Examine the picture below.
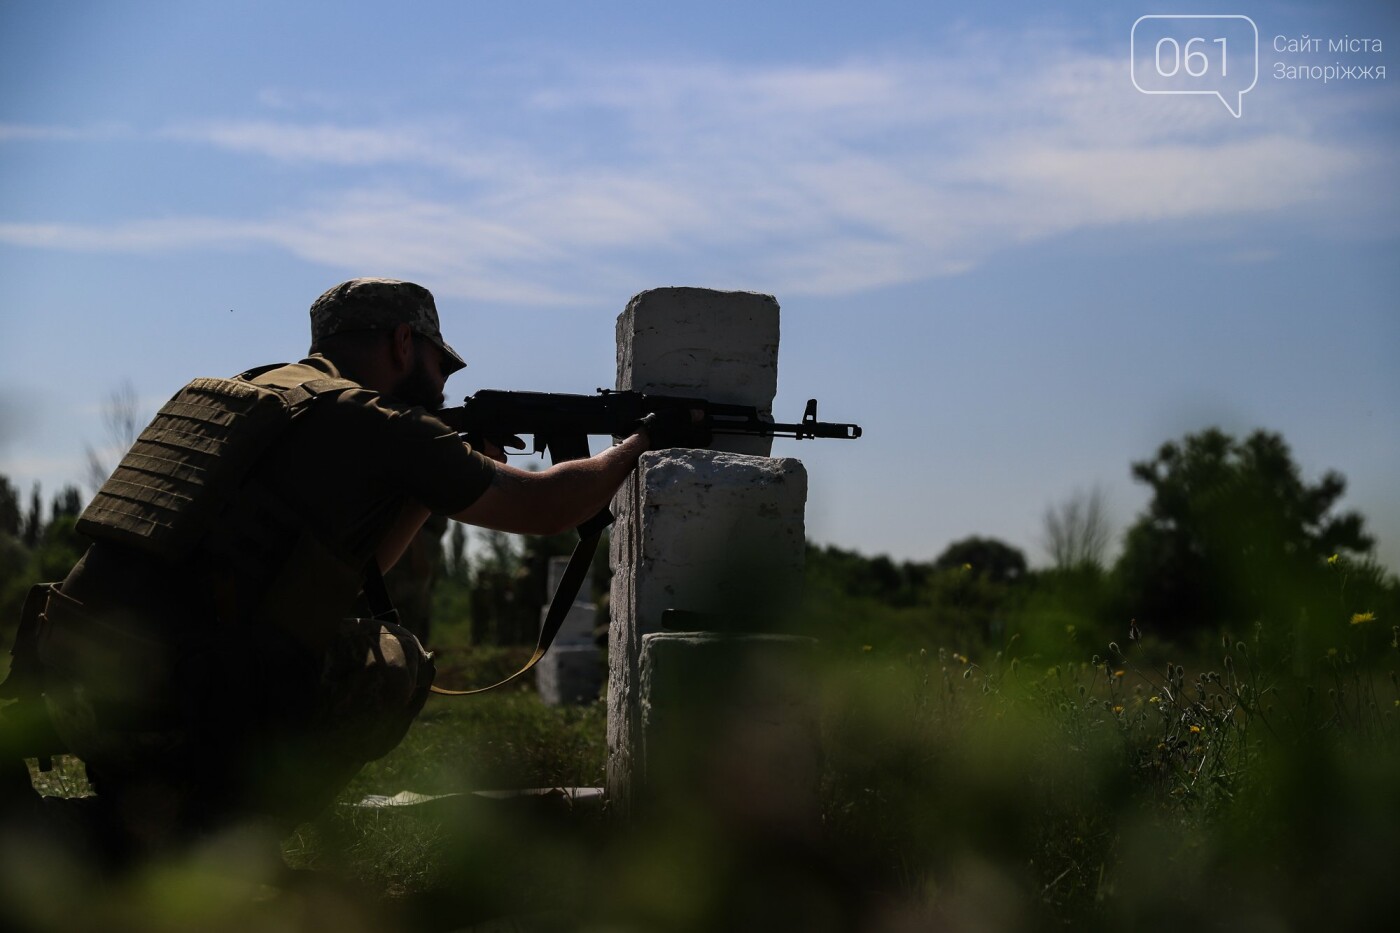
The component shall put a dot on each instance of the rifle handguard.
(675, 427)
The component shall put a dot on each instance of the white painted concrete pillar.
(716, 534)
(701, 343)
(572, 671)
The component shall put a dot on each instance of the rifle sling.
(376, 593)
(569, 584)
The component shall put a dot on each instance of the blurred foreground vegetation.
(1204, 734)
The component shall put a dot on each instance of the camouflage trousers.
(182, 738)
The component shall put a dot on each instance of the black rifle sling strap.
(569, 584)
(376, 594)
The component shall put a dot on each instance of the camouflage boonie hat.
(380, 304)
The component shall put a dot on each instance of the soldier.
(224, 649)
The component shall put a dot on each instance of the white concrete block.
(570, 675)
(723, 535)
(703, 343)
(581, 620)
(579, 625)
(554, 572)
(733, 720)
(714, 533)
(708, 532)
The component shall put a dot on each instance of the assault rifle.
(561, 424)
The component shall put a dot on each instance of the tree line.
(1233, 536)
(36, 544)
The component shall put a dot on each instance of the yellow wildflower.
(1195, 730)
(1361, 617)
(1155, 700)
(1333, 559)
(1117, 710)
(1117, 674)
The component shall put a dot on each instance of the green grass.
(1110, 792)
(989, 790)
(1251, 786)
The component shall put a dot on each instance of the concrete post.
(702, 343)
(572, 671)
(716, 536)
(730, 720)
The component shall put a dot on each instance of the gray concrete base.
(732, 719)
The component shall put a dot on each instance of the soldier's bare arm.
(557, 499)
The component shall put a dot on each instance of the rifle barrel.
(805, 431)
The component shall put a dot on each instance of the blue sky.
(1017, 272)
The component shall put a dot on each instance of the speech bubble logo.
(1179, 54)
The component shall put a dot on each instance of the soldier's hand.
(494, 448)
(676, 427)
(492, 451)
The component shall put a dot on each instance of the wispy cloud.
(329, 144)
(815, 179)
(32, 132)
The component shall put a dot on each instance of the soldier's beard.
(418, 388)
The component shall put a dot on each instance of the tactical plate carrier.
(186, 490)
